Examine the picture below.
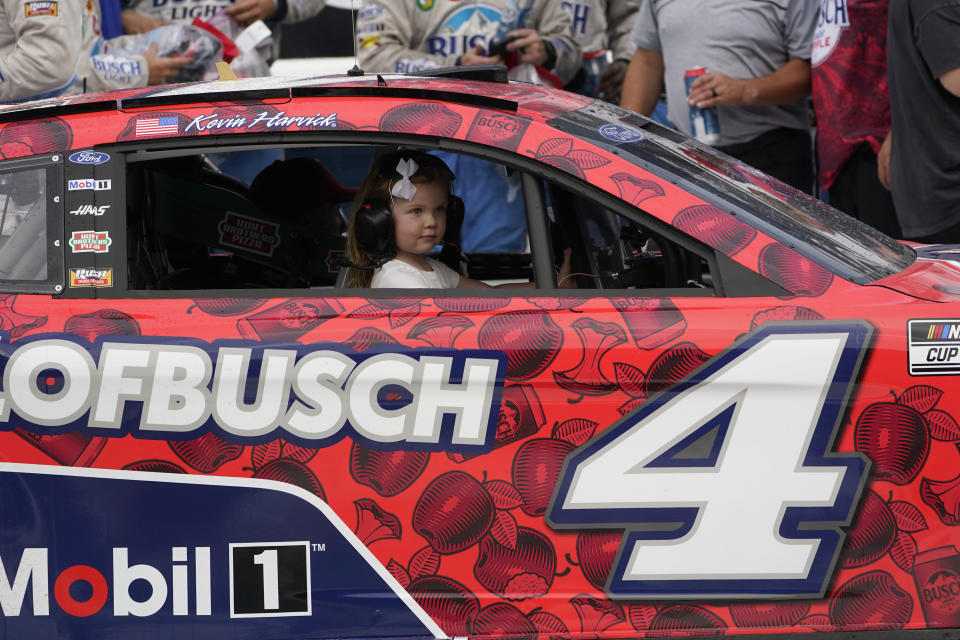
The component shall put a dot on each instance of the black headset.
(373, 229)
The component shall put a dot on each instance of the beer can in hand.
(704, 124)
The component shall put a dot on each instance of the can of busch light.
(289, 320)
(594, 64)
(937, 574)
(704, 123)
(69, 449)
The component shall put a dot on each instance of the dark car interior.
(190, 226)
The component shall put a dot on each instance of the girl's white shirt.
(400, 275)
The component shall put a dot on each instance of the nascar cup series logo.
(934, 347)
(173, 388)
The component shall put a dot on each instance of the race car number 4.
(726, 484)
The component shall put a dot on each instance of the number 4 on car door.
(726, 484)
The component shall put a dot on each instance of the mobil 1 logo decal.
(170, 556)
(270, 579)
(934, 347)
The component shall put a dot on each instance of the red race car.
(740, 420)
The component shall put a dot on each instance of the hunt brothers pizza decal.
(248, 234)
(90, 241)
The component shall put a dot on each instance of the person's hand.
(475, 57)
(134, 22)
(246, 12)
(564, 278)
(529, 46)
(883, 162)
(611, 81)
(162, 69)
(718, 89)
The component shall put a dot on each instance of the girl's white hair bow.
(404, 188)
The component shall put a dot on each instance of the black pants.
(857, 192)
(785, 154)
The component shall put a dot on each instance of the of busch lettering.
(170, 390)
(33, 573)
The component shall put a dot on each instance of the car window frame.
(730, 278)
(54, 283)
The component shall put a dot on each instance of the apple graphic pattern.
(464, 533)
(911, 503)
(896, 435)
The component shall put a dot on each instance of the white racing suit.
(39, 48)
(603, 24)
(184, 11)
(412, 35)
(102, 71)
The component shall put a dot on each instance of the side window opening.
(192, 226)
(31, 225)
(611, 251)
(23, 225)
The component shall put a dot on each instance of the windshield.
(844, 245)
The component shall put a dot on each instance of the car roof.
(473, 85)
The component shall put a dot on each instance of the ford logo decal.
(89, 157)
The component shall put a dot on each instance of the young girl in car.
(400, 216)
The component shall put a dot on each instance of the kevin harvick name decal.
(263, 120)
(176, 387)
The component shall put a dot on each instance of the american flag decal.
(162, 126)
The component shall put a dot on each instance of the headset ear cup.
(374, 230)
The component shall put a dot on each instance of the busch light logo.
(182, 556)
(89, 157)
(464, 30)
(178, 388)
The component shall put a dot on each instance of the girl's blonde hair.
(376, 188)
